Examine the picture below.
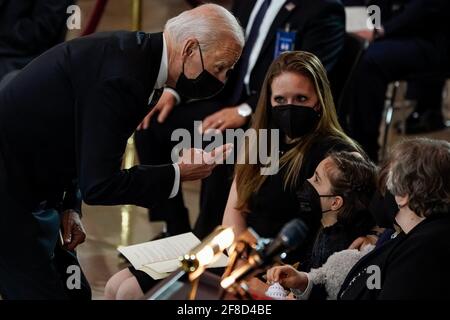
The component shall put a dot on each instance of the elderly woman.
(416, 263)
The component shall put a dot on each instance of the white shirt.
(160, 83)
(163, 74)
(269, 17)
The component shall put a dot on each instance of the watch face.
(244, 111)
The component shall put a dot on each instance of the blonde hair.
(248, 179)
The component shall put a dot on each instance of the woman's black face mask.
(384, 209)
(205, 86)
(295, 121)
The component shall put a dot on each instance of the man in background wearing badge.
(271, 27)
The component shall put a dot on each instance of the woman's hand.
(227, 118)
(361, 242)
(288, 277)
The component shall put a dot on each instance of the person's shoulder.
(110, 39)
(428, 240)
(433, 230)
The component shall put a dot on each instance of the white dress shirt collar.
(164, 68)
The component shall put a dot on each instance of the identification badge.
(285, 41)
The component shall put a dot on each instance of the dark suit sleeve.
(324, 34)
(416, 15)
(42, 29)
(106, 119)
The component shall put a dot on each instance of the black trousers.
(42, 279)
(32, 266)
(385, 61)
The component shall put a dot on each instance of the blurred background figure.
(412, 43)
(27, 29)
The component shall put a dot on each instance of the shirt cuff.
(176, 183)
(175, 94)
(303, 295)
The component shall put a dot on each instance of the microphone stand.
(194, 288)
(240, 290)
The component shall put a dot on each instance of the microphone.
(290, 237)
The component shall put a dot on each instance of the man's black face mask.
(205, 86)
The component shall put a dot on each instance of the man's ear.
(337, 204)
(189, 47)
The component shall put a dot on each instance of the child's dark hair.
(355, 181)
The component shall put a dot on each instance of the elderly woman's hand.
(361, 242)
(288, 277)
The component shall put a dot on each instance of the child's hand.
(288, 277)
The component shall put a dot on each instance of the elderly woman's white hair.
(208, 23)
(419, 168)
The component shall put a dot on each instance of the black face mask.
(205, 86)
(384, 209)
(295, 121)
(309, 201)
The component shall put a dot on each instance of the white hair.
(209, 29)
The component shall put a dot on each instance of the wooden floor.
(109, 227)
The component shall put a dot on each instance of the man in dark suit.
(68, 115)
(318, 27)
(27, 29)
(413, 40)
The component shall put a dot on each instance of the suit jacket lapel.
(280, 19)
(244, 12)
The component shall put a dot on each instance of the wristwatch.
(244, 110)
